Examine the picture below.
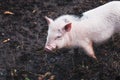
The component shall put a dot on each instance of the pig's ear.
(49, 20)
(67, 27)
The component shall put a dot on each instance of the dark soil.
(23, 32)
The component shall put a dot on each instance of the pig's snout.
(50, 47)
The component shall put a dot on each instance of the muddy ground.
(23, 32)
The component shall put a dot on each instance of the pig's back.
(103, 21)
(111, 7)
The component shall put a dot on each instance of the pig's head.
(57, 33)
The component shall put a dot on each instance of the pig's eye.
(58, 37)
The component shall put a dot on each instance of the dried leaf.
(41, 77)
(8, 12)
(52, 77)
(27, 78)
(33, 11)
(47, 74)
(6, 40)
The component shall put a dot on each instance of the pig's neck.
(71, 39)
(77, 34)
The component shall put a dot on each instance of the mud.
(23, 32)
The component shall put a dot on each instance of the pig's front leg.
(87, 46)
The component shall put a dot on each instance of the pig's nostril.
(48, 48)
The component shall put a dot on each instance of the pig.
(95, 26)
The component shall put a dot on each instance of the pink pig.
(96, 25)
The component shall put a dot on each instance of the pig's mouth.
(50, 48)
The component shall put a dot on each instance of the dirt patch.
(23, 32)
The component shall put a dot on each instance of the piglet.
(95, 26)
